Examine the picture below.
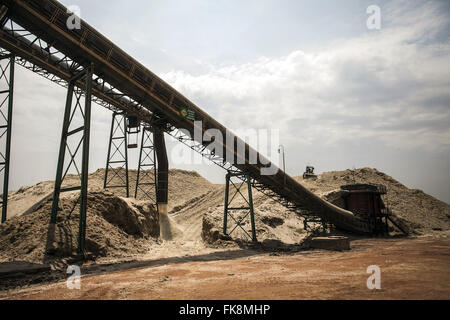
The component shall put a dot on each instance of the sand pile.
(272, 220)
(119, 227)
(420, 212)
(184, 186)
(285, 227)
(115, 227)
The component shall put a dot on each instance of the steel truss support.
(146, 179)
(81, 134)
(6, 102)
(117, 159)
(310, 219)
(241, 213)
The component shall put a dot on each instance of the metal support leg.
(146, 179)
(239, 213)
(162, 194)
(117, 159)
(252, 213)
(84, 79)
(225, 211)
(6, 99)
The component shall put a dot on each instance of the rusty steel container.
(365, 201)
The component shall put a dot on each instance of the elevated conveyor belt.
(36, 32)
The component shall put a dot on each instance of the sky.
(341, 95)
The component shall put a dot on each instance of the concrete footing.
(329, 243)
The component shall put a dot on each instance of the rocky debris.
(273, 244)
(210, 233)
(133, 217)
(272, 221)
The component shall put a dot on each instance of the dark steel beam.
(7, 74)
(83, 142)
(162, 193)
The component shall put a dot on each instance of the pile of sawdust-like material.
(422, 212)
(116, 227)
(119, 227)
(183, 186)
(272, 222)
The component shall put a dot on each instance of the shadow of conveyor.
(246, 249)
(63, 246)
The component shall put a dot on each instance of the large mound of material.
(422, 213)
(272, 221)
(120, 227)
(183, 186)
(115, 227)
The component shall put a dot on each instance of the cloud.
(390, 85)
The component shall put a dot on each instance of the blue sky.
(341, 95)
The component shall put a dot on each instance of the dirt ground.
(415, 268)
(129, 259)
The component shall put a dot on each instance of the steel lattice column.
(146, 179)
(82, 79)
(117, 140)
(6, 101)
(242, 212)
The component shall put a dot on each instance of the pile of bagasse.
(121, 227)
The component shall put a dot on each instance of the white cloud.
(392, 85)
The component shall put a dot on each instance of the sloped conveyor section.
(36, 32)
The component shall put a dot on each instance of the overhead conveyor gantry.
(36, 32)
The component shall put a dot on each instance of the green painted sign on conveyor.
(188, 114)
